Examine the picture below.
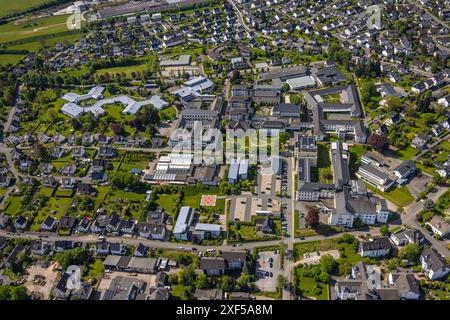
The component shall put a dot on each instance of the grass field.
(33, 34)
(192, 197)
(15, 30)
(307, 287)
(178, 292)
(407, 153)
(94, 271)
(127, 70)
(167, 202)
(400, 196)
(10, 59)
(12, 205)
(56, 207)
(167, 113)
(131, 196)
(8, 7)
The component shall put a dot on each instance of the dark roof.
(235, 256)
(380, 243)
(433, 259)
(212, 263)
(405, 167)
(161, 279)
(141, 249)
(62, 283)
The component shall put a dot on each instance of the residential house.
(49, 224)
(434, 264)
(439, 226)
(212, 266)
(375, 247)
(20, 223)
(420, 141)
(235, 259)
(407, 236)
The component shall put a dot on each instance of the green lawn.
(64, 193)
(130, 196)
(308, 287)
(94, 271)
(10, 59)
(407, 153)
(167, 113)
(136, 161)
(8, 7)
(400, 196)
(127, 70)
(178, 292)
(56, 207)
(192, 196)
(12, 205)
(101, 194)
(319, 173)
(167, 202)
(39, 27)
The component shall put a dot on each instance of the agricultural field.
(10, 59)
(35, 33)
(8, 7)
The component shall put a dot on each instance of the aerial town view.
(225, 150)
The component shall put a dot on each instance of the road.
(12, 112)
(51, 237)
(242, 21)
(409, 219)
(288, 264)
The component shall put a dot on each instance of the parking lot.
(267, 270)
(418, 184)
(284, 179)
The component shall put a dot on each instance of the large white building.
(74, 110)
(184, 221)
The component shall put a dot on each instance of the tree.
(41, 151)
(312, 218)
(327, 263)
(202, 281)
(184, 259)
(13, 293)
(117, 128)
(344, 268)
(378, 142)
(410, 252)
(428, 205)
(226, 283)
(122, 180)
(186, 277)
(393, 103)
(384, 230)
(244, 282)
(71, 257)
